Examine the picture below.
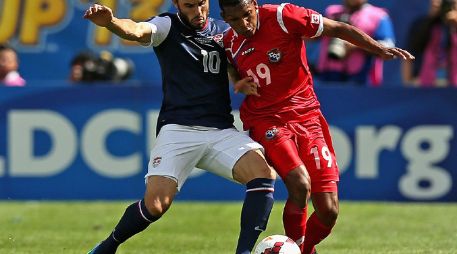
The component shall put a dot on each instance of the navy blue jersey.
(194, 76)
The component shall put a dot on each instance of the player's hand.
(246, 86)
(392, 53)
(99, 15)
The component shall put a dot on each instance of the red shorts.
(307, 143)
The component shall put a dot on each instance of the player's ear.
(254, 2)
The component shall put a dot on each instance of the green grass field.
(196, 228)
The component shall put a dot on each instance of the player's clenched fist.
(99, 14)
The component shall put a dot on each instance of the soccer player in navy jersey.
(195, 125)
(282, 111)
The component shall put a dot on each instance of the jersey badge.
(274, 55)
(156, 161)
(218, 39)
(315, 19)
(271, 133)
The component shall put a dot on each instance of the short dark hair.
(231, 3)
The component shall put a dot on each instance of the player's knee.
(329, 215)
(252, 165)
(157, 207)
(299, 187)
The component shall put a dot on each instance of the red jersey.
(275, 56)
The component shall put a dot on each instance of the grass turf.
(197, 228)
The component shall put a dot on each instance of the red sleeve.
(301, 21)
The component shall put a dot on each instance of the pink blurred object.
(13, 79)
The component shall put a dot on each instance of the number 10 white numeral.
(325, 154)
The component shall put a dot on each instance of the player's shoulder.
(282, 9)
(269, 8)
(229, 35)
(220, 25)
(162, 16)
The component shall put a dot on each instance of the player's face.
(242, 18)
(194, 12)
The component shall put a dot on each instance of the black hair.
(231, 3)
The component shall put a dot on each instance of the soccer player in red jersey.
(281, 110)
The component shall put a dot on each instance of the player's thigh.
(280, 147)
(176, 152)
(227, 148)
(252, 165)
(316, 151)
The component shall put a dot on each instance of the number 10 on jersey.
(211, 61)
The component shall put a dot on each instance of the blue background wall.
(93, 143)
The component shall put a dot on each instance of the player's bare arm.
(245, 85)
(125, 28)
(357, 37)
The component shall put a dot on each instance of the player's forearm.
(129, 30)
(233, 75)
(359, 38)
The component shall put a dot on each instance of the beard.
(197, 23)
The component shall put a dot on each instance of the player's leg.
(298, 185)
(158, 197)
(281, 151)
(322, 220)
(169, 167)
(253, 170)
(237, 157)
(318, 154)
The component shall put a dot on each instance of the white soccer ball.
(277, 244)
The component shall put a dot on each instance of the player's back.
(194, 76)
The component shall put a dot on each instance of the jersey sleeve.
(160, 27)
(298, 20)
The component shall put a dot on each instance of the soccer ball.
(277, 244)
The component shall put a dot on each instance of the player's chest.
(267, 51)
(199, 45)
(268, 47)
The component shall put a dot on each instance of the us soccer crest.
(271, 133)
(156, 162)
(274, 55)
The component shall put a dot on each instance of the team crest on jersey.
(274, 55)
(315, 19)
(271, 133)
(156, 161)
(218, 39)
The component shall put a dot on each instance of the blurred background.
(78, 120)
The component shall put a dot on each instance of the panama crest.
(271, 133)
(274, 55)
